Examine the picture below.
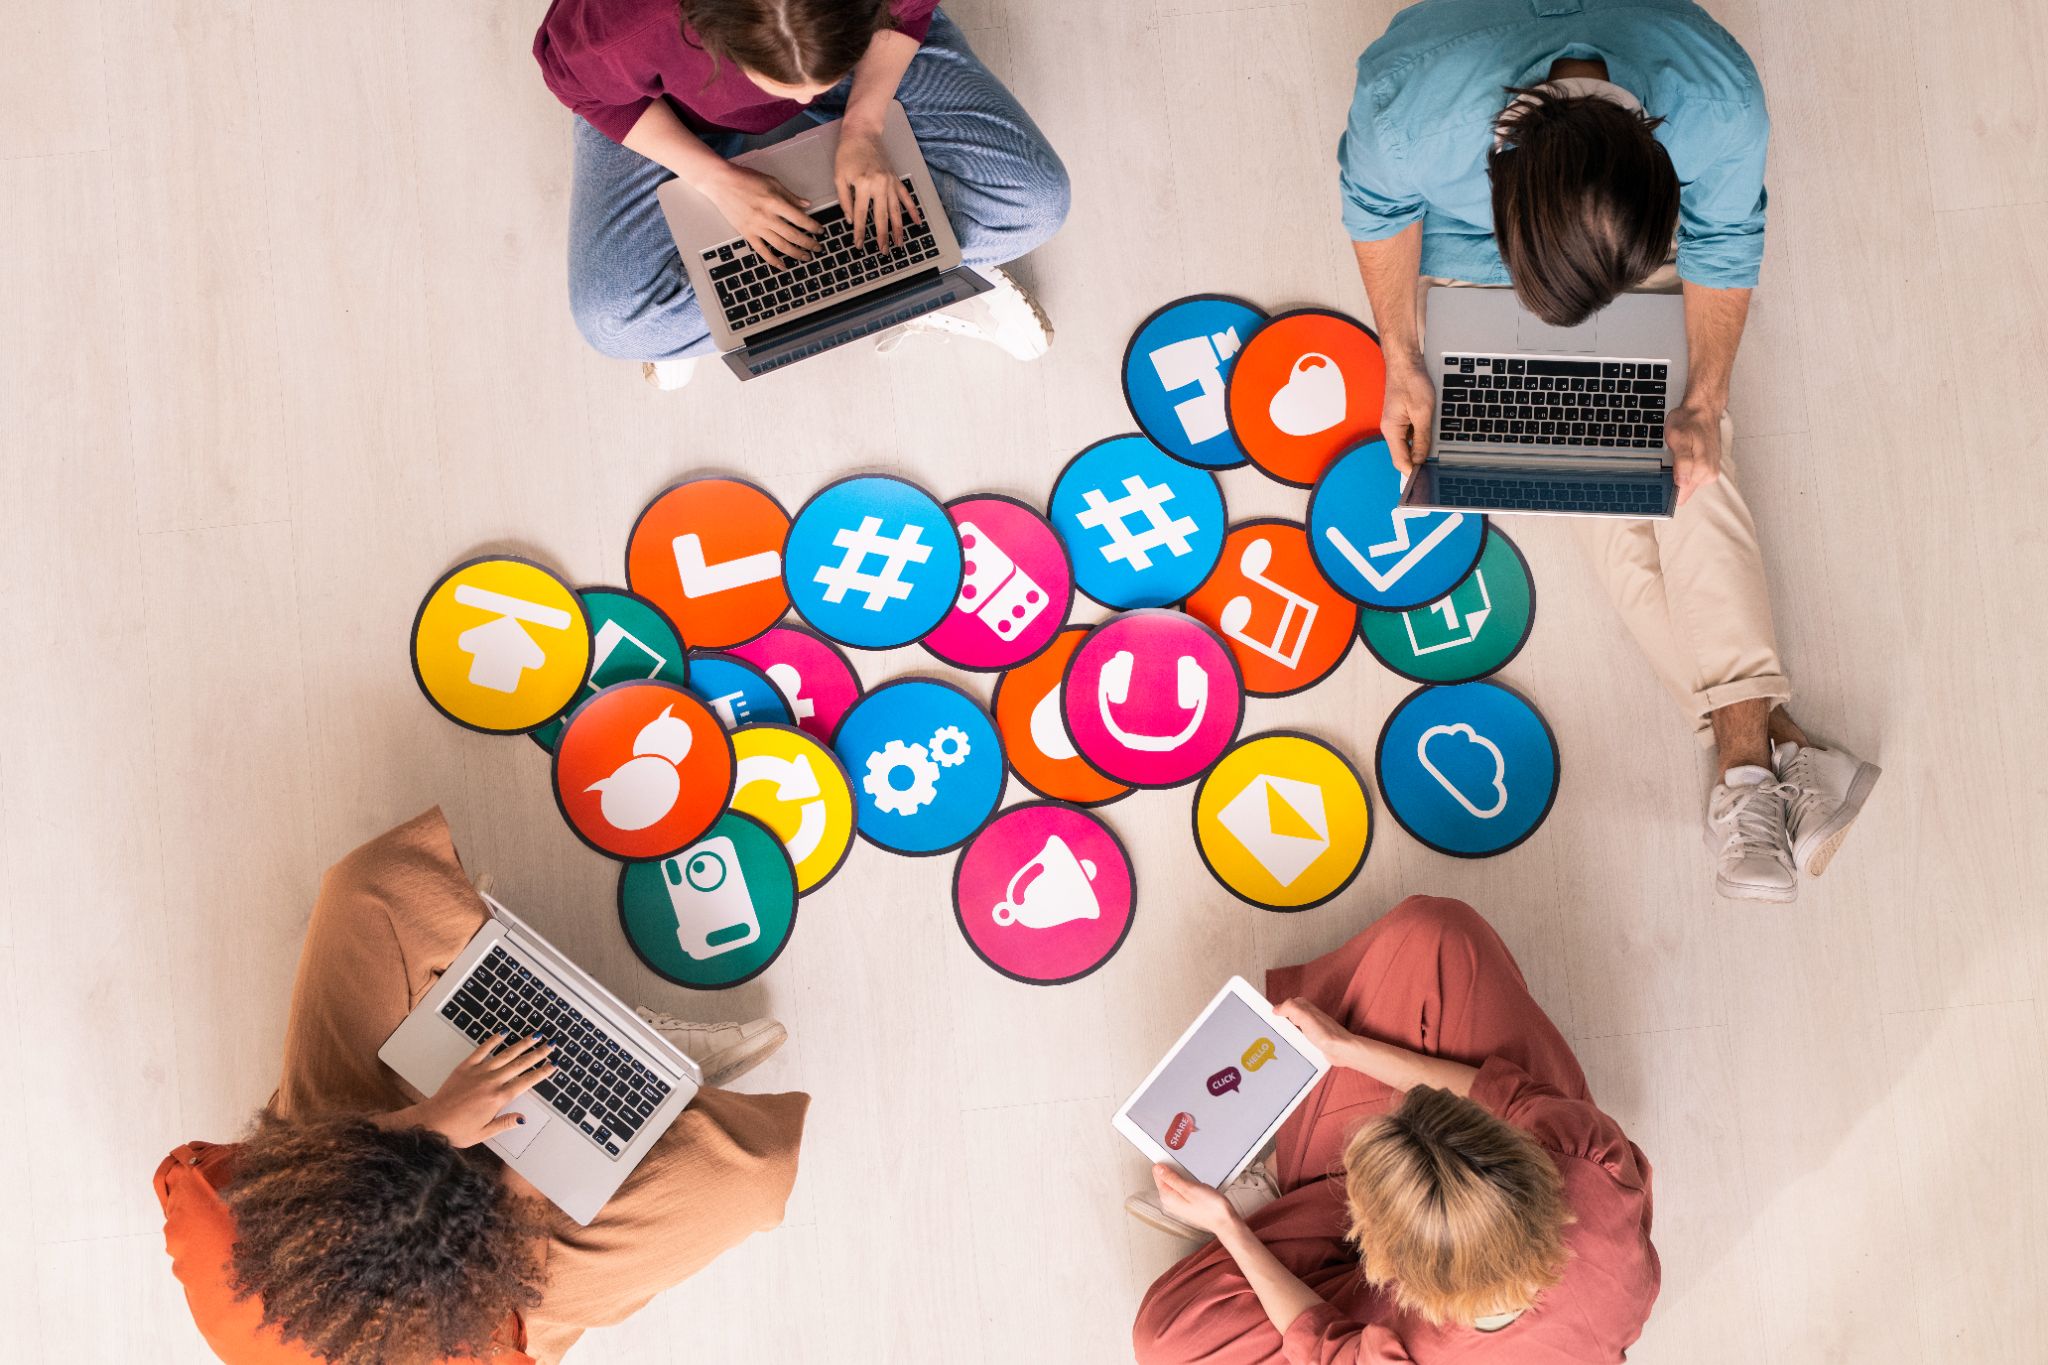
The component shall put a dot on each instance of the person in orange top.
(358, 1224)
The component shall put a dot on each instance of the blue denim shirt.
(1430, 90)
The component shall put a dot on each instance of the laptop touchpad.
(1534, 334)
(520, 1138)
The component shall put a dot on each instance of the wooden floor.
(285, 333)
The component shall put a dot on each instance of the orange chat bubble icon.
(1258, 1054)
(1180, 1130)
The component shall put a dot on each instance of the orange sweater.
(199, 1234)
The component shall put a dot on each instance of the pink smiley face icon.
(1152, 698)
(1016, 586)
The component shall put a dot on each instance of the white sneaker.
(1005, 317)
(725, 1052)
(1829, 788)
(1746, 834)
(1249, 1193)
(668, 375)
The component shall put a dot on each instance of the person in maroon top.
(676, 88)
(1448, 1192)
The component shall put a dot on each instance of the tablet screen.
(1221, 1091)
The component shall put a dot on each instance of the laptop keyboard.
(1514, 492)
(600, 1087)
(1547, 401)
(751, 291)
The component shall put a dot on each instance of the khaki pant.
(390, 919)
(1691, 589)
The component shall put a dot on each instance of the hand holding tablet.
(1223, 1088)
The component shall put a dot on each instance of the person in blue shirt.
(1575, 150)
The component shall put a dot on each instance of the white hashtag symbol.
(895, 552)
(1139, 499)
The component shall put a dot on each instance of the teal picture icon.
(1471, 632)
(717, 913)
(630, 640)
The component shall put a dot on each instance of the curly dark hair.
(374, 1246)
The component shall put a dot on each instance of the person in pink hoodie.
(1448, 1192)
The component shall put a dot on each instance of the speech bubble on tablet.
(1258, 1054)
(1225, 1081)
(1180, 1130)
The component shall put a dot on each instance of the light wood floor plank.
(53, 82)
(198, 323)
(1984, 101)
(223, 624)
(1965, 1082)
(78, 791)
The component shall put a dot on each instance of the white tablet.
(1223, 1090)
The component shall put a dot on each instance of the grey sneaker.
(1829, 788)
(1004, 317)
(725, 1052)
(1747, 836)
(1249, 1193)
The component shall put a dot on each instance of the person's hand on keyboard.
(1694, 435)
(1409, 411)
(771, 218)
(465, 1110)
(867, 186)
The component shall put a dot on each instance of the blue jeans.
(1003, 187)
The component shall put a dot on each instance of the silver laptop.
(764, 318)
(1560, 420)
(620, 1083)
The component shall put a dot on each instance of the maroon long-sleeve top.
(609, 59)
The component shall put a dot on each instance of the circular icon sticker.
(708, 552)
(1176, 371)
(1016, 586)
(793, 784)
(1283, 821)
(1381, 553)
(629, 639)
(1281, 618)
(873, 561)
(737, 692)
(1469, 770)
(500, 645)
(716, 913)
(1471, 631)
(813, 675)
(1151, 698)
(641, 770)
(1029, 717)
(1045, 894)
(1307, 388)
(1144, 529)
(926, 763)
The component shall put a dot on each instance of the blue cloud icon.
(1460, 759)
(1444, 759)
